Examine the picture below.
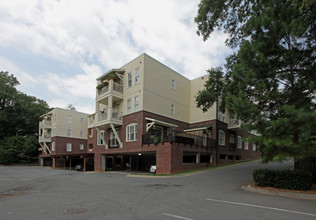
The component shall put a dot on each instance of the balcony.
(112, 88)
(44, 138)
(45, 124)
(108, 116)
(179, 137)
(234, 124)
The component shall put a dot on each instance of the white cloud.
(105, 35)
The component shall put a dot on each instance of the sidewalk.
(309, 195)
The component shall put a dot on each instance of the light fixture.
(139, 154)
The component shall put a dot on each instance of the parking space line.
(14, 179)
(176, 216)
(262, 207)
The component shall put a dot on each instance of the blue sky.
(57, 49)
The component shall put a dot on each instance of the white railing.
(118, 87)
(103, 90)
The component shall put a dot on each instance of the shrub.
(285, 179)
(264, 177)
(293, 179)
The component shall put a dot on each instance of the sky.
(57, 48)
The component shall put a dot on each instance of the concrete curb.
(293, 195)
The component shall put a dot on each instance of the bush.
(285, 179)
(293, 179)
(264, 177)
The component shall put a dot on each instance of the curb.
(293, 195)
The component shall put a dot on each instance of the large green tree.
(270, 80)
(19, 117)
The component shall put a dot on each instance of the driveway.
(44, 193)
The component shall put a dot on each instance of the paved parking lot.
(44, 193)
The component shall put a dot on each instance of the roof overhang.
(119, 71)
(198, 128)
(158, 122)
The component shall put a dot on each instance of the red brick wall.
(61, 146)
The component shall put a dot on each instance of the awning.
(197, 128)
(158, 122)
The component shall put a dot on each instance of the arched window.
(239, 143)
(131, 132)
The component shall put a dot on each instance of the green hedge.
(285, 179)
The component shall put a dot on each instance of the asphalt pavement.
(45, 193)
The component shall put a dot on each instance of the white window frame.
(239, 142)
(81, 146)
(54, 118)
(172, 109)
(246, 145)
(69, 119)
(136, 103)
(54, 132)
(68, 132)
(53, 146)
(81, 133)
(173, 84)
(137, 75)
(129, 80)
(69, 147)
(131, 132)
(254, 147)
(101, 137)
(81, 120)
(221, 137)
(128, 106)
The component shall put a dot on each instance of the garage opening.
(189, 157)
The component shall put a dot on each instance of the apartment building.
(63, 139)
(146, 115)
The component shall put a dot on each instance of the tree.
(19, 117)
(270, 82)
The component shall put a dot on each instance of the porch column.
(54, 162)
(84, 164)
(69, 163)
(198, 157)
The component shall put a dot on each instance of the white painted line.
(262, 207)
(176, 216)
(13, 179)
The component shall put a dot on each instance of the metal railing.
(178, 137)
(118, 87)
(103, 90)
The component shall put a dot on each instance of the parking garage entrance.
(130, 161)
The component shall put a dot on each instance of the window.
(81, 133)
(68, 132)
(81, 146)
(131, 132)
(239, 143)
(53, 146)
(129, 80)
(254, 147)
(246, 145)
(221, 116)
(172, 109)
(101, 138)
(69, 146)
(54, 132)
(69, 119)
(90, 132)
(81, 120)
(54, 118)
(128, 106)
(137, 76)
(221, 137)
(173, 84)
(136, 103)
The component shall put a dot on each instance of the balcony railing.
(102, 115)
(178, 137)
(103, 90)
(45, 123)
(118, 87)
(114, 114)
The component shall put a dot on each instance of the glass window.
(69, 147)
(128, 106)
(81, 146)
(81, 133)
(136, 103)
(137, 76)
(101, 138)
(129, 80)
(254, 147)
(172, 109)
(131, 132)
(69, 119)
(53, 146)
(81, 120)
(68, 132)
(246, 145)
(173, 84)
(221, 137)
(239, 143)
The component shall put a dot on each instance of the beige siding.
(61, 125)
(158, 94)
(196, 114)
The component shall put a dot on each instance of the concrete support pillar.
(70, 164)
(198, 157)
(54, 162)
